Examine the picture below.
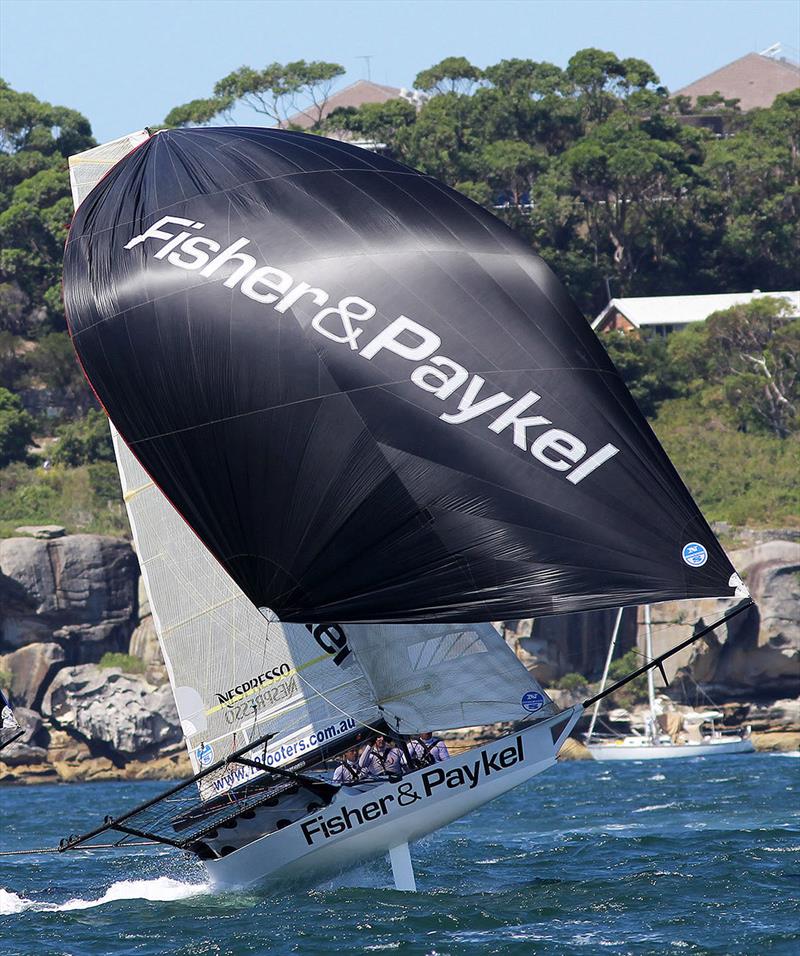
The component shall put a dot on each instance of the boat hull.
(358, 826)
(742, 745)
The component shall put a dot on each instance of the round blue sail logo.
(205, 755)
(694, 554)
(532, 701)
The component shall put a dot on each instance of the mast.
(651, 687)
(609, 656)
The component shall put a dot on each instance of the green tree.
(85, 440)
(642, 363)
(753, 191)
(510, 166)
(275, 92)
(16, 428)
(454, 74)
(198, 112)
(751, 351)
(634, 177)
(636, 691)
(35, 141)
(387, 123)
(602, 81)
(54, 365)
(12, 362)
(443, 140)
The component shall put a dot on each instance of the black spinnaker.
(367, 396)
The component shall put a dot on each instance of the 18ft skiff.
(354, 415)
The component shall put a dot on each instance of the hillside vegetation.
(595, 165)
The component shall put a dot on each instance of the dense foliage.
(15, 428)
(615, 183)
(35, 207)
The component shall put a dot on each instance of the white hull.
(359, 826)
(621, 751)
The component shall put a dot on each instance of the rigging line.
(658, 661)
(328, 701)
(609, 656)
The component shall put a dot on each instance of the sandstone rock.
(174, 767)
(94, 768)
(782, 715)
(573, 749)
(43, 531)
(777, 742)
(113, 710)
(758, 653)
(64, 748)
(30, 748)
(79, 591)
(571, 643)
(27, 773)
(144, 600)
(32, 668)
(144, 645)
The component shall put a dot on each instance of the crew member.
(348, 771)
(434, 749)
(381, 759)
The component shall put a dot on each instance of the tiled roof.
(754, 80)
(356, 94)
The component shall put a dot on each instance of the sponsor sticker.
(532, 701)
(205, 755)
(694, 554)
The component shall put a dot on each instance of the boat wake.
(163, 889)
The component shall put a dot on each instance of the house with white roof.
(662, 314)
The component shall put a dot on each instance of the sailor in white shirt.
(381, 759)
(430, 749)
(348, 771)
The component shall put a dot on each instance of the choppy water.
(647, 858)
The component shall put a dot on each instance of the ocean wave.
(655, 806)
(12, 903)
(164, 889)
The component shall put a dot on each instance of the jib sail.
(365, 394)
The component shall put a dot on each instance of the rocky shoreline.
(80, 660)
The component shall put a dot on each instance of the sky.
(125, 63)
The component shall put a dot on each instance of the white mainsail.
(238, 674)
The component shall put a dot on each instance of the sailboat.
(356, 420)
(10, 730)
(654, 744)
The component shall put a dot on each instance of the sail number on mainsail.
(442, 376)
